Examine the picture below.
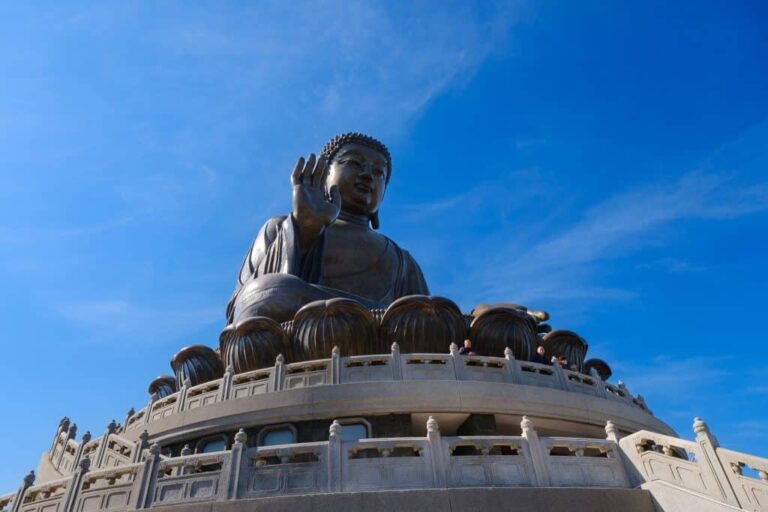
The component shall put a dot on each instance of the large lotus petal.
(254, 343)
(198, 363)
(494, 328)
(421, 323)
(321, 325)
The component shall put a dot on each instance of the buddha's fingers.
(296, 174)
(306, 177)
(318, 177)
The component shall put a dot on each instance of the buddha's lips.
(363, 187)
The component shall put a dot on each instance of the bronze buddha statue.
(328, 247)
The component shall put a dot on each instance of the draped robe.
(275, 251)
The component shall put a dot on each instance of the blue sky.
(606, 163)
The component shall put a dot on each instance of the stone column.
(334, 457)
(436, 453)
(710, 462)
(513, 369)
(538, 457)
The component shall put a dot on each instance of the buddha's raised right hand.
(314, 207)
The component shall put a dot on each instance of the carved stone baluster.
(457, 361)
(18, 500)
(540, 468)
(334, 457)
(397, 362)
(235, 465)
(513, 368)
(710, 463)
(335, 366)
(436, 452)
(278, 373)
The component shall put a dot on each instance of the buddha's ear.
(375, 220)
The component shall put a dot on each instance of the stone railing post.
(139, 447)
(18, 500)
(152, 400)
(334, 457)
(627, 394)
(335, 365)
(611, 432)
(235, 465)
(278, 373)
(560, 375)
(513, 369)
(73, 489)
(225, 389)
(710, 462)
(128, 415)
(145, 481)
(456, 361)
(540, 468)
(181, 402)
(83, 441)
(436, 453)
(63, 426)
(71, 433)
(599, 383)
(397, 362)
(98, 460)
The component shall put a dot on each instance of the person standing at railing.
(466, 350)
(538, 357)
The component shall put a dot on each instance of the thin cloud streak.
(565, 265)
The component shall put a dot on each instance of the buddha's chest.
(361, 262)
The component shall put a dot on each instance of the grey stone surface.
(454, 500)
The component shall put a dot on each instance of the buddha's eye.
(351, 162)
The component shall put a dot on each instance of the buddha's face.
(360, 173)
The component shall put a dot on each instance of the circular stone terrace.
(448, 386)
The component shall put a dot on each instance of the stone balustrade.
(380, 367)
(642, 459)
(699, 467)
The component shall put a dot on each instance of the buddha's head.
(360, 166)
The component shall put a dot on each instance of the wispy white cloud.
(564, 265)
(366, 66)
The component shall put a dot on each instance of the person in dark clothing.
(538, 357)
(466, 350)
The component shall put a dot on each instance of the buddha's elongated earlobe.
(375, 220)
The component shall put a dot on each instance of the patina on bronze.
(326, 247)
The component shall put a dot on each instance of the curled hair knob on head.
(334, 145)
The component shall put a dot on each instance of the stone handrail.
(379, 367)
(700, 467)
(642, 459)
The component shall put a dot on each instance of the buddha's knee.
(277, 296)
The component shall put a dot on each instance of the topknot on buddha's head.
(335, 144)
